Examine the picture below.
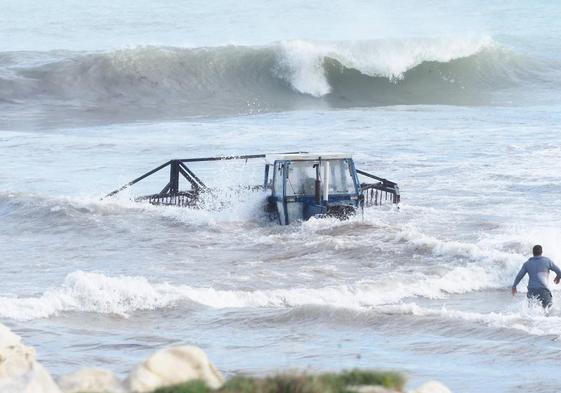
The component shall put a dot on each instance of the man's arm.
(519, 277)
(555, 268)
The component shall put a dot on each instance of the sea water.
(457, 102)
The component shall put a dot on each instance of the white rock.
(432, 387)
(91, 380)
(8, 338)
(171, 366)
(19, 371)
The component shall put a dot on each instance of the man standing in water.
(538, 268)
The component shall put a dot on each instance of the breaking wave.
(363, 304)
(282, 76)
(121, 295)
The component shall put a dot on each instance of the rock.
(91, 380)
(171, 366)
(432, 387)
(19, 371)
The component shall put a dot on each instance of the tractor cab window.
(301, 178)
(341, 180)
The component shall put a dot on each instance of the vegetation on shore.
(297, 383)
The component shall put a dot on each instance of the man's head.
(537, 250)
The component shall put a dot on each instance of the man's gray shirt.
(538, 270)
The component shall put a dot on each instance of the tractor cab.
(307, 185)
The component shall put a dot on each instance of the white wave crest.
(122, 295)
(91, 292)
(304, 60)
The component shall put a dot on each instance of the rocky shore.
(181, 369)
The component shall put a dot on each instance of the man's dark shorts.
(542, 294)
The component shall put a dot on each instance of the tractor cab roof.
(271, 158)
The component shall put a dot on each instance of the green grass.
(188, 387)
(296, 383)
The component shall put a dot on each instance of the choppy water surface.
(464, 114)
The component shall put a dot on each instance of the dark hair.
(537, 250)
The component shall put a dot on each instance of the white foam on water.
(90, 292)
(528, 318)
(221, 206)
